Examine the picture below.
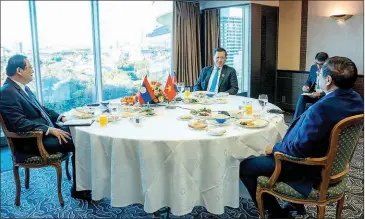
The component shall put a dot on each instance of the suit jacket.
(308, 136)
(312, 76)
(19, 112)
(312, 79)
(227, 81)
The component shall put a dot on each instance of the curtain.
(211, 33)
(187, 48)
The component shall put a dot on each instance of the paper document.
(306, 94)
(79, 122)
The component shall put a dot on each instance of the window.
(136, 39)
(66, 54)
(16, 36)
(231, 23)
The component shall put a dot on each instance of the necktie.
(214, 83)
(35, 102)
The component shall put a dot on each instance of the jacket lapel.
(22, 93)
(209, 73)
(223, 76)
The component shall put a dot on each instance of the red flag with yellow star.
(170, 89)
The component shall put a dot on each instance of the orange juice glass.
(103, 120)
(248, 109)
(187, 93)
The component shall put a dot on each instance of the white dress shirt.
(212, 77)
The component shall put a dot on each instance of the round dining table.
(162, 162)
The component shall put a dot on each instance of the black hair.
(342, 70)
(219, 49)
(15, 62)
(321, 56)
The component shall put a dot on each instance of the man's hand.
(316, 95)
(60, 134)
(305, 88)
(268, 149)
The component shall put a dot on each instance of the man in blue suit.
(311, 86)
(219, 77)
(308, 136)
(22, 113)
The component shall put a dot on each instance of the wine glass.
(263, 100)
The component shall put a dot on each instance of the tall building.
(231, 33)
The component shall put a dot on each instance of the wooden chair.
(335, 167)
(33, 161)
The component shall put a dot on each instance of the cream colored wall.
(290, 13)
(324, 34)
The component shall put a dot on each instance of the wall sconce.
(341, 18)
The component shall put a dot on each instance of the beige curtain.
(211, 33)
(187, 49)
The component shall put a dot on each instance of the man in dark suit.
(22, 112)
(311, 86)
(219, 77)
(308, 136)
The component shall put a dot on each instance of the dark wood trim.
(303, 35)
(293, 71)
(238, 5)
(305, 72)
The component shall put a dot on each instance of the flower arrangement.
(158, 92)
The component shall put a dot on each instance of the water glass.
(180, 87)
(263, 100)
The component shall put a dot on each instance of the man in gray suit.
(219, 77)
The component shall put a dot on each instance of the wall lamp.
(341, 18)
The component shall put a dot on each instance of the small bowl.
(221, 118)
(210, 94)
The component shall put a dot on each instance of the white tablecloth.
(162, 162)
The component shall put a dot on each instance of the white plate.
(259, 123)
(207, 102)
(217, 131)
(220, 101)
(194, 121)
(223, 94)
(185, 119)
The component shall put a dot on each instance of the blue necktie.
(214, 83)
(35, 102)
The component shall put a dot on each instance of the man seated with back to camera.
(308, 136)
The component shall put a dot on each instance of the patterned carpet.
(41, 201)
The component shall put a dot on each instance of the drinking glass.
(263, 100)
(248, 108)
(114, 111)
(103, 120)
(180, 87)
(187, 93)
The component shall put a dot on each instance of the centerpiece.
(158, 92)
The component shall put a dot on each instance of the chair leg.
(59, 178)
(340, 207)
(17, 184)
(260, 203)
(27, 178)
(321, 211)
(67, 170)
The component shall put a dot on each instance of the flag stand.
(170, 106)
